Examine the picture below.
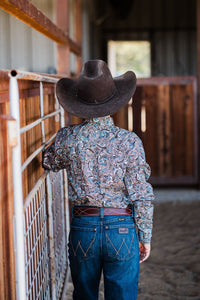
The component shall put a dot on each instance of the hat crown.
(95, 93)
(95, 84)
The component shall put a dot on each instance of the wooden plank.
(121, 117)
(4, 79)
(78, 27)
(4, 94)
(7, 262)
(63, 52)
(164, 131)
(166, 80)
(189, 131)
(25, 93)
(30, 139)
(22, 105)
(26, 12)
(75, 120)
(136, 104)
(150, 136)
(178, 130)
(63, 64)
(173, 181)
(37, 162)
(25, 85)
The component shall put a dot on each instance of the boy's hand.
(144, 251)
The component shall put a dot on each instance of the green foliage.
(133, 55)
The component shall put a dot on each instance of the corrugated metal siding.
(21, 47)
(157, 14)
(169, 25)
(174, 53)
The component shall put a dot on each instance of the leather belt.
(90, 211)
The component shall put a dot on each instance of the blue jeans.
(108, 244)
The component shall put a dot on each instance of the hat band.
(99, 103)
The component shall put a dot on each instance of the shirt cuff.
(144, 237)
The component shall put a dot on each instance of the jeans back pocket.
(81, 242)
(120, 241)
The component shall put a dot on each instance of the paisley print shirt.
(106, 167)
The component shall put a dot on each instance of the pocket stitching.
(79, 246)
(123, 242)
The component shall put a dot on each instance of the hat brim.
(66, 93)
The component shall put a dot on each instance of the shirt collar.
(101, 121)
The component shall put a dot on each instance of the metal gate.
(41, 220)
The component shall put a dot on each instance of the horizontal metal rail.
(38, 121)
(36, 152)
(34, 76)
(27, 200)
(23, 75)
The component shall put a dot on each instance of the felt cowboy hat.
(95, 93)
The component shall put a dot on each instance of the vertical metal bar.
(37, 282)
(62, 117)
(66, 209)
(51, 236)
(66, 204)
(29, 249)
(26, 248)
(42, 111)
(67, 228)
(31, 239)
(35, 246)
(18, 194)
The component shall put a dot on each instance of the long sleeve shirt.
(106, 167)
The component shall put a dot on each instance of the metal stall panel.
(37, 264)
(58, 238)
(42, 218)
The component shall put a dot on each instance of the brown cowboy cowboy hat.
(95, 93)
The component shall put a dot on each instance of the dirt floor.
(173, 269)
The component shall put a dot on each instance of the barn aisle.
(173, 270)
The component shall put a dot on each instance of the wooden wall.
(170, 133)
(164, 114)
(32, 140)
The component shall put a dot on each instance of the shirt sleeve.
(54, 157)
(139, 190)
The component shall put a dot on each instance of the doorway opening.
(131, 55)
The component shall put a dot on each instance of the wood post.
(7, 261)
(78, 26)
(63, 52)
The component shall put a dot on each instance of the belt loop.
(101, 212)
(132, 211)
(72, 209)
